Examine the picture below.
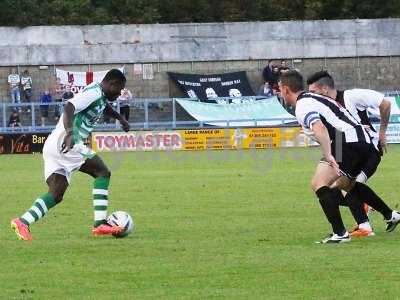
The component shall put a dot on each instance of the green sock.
(39, 209)
(100, 200)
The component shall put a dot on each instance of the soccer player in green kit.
(65, 152)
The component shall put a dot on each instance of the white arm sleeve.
(363, 99)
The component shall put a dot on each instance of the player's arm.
(384, 110)
(68, 117)
(109, 111)
(322, 136)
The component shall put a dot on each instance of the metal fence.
(155, 113)
(145, 113)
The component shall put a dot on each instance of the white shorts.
(64, 164)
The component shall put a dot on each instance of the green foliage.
(58, 12)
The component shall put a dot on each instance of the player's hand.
(332, 161)
(124, 124)
(67, 144)
(382, 141)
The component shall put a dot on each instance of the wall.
(198, 42)
(362, 53)
(380, 73)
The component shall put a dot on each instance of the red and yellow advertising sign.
(200, 139)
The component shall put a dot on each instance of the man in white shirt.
(14, 82)
(358, 102)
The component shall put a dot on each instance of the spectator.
(26, 83)
(265, 90)
(45, 99)
(267, 72)
(284, 67)
(58, 96)
(124, 99)
(14, 82)
(271, 76)
(14, 120)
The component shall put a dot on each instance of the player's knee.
(104, 173)
(58, 196)
(316, 184)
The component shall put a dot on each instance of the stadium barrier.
(201, 139)
(22, 143)
(145, 113)
(159, 125)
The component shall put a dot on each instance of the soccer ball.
(121, 219)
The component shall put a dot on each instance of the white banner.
(269, 110)
(392, 132)
(78, 80)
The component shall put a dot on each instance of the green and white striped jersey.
(89, 106)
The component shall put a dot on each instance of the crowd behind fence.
(145, 113)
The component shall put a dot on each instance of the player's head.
(321, 83)
(113, 83)
(291, 84)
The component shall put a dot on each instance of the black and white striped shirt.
(311, 108)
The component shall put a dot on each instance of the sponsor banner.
(208, 87)
(255, 110)
(136, 141)
(22, 143)
(201, 139)
(392, 132)
(78, 80)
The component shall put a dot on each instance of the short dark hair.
(115, 74)
(292, 79)
(322, 78)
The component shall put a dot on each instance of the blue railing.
(145, 113)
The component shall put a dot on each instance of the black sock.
(357, 208)
(330, 206)
(362, 192)
(340, 197)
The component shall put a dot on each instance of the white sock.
(365, 226)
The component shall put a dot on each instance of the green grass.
(229, 224)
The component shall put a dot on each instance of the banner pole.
(33, 115)
(146, 114)
(173, 113)
(4, 116)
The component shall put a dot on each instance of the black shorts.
(356, 158)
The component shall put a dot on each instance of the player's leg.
(368, 170)
(360, 210)
(323, 178)
(57, 184)
(96, 168)
(361, 192)
(363, 227)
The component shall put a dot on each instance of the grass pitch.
(217, 224)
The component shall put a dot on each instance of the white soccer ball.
(121, 219)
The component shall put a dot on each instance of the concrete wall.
(362, 53)
(380, 73)
(198, 42)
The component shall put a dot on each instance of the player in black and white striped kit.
(346, 148)
(358, 102)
